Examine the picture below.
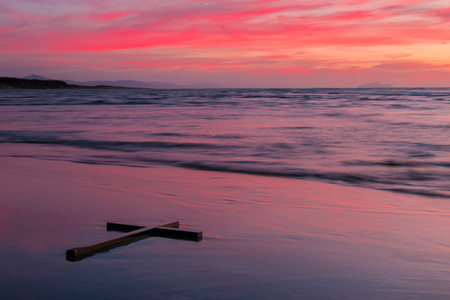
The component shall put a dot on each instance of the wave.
(413, 176)
(399, 163)
(227, 97)
(124, 146)
(387, 139)
(354, 179)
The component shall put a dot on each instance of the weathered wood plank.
(178, 234)
(75, 254)
(122, 227)
(110, 226)
(161, 231)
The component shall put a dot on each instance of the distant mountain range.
(21, 83)
(41, 82)
(131, 83)
(18, 83)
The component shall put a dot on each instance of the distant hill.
(127, 83)
(38, 77)
(145, 84)
(374, 84)
(131, 83)
(35, 82)
(17, 83)
(40, 82)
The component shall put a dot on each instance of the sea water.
(391, 139)
(72, 160)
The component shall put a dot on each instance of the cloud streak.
(291, 38)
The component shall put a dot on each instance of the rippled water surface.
(394, 139)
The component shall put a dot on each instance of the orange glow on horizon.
(291, 39)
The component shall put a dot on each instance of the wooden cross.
(136, 233)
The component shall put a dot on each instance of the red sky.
(252, 43)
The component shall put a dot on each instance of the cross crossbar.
(136, 233)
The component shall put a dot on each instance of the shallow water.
(392, 139)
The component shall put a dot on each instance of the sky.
(237, 43)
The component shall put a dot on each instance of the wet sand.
(264, 237)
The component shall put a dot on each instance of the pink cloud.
(443, 14)
(356, 15)
(109, 16)
(214, 27)
(410, 66)
(297, 71)
(220, 36)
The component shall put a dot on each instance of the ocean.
(320, 194)
(390, 139)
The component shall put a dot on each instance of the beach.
(299, 193)
(263, 237)
(224, 150)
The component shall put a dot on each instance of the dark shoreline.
(18, 83)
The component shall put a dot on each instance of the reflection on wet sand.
(265, 238)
